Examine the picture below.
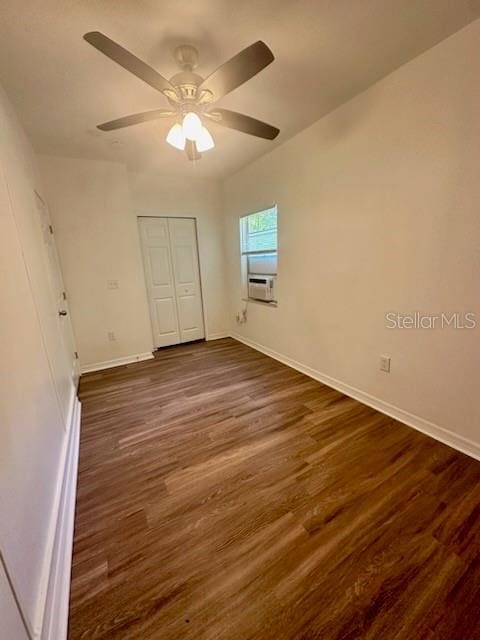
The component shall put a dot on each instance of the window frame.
(244, 255)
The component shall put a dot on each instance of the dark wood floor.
(224, 496)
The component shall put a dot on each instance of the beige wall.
(94, 206)
(12, 625)
(32, 428)
(379, 211)
(97, 240)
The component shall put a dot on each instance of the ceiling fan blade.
(127, 60)
(136, 118)
(238, 69)
(246, 124)
(191, 150)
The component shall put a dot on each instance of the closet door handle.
(62, 312)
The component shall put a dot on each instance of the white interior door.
(157, 260)
(170, 257)
(65, 366)
(183, 241)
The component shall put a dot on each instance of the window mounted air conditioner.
(261, 287)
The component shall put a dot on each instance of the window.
(258, 232)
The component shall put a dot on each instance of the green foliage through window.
(259, 231)
(262, 221)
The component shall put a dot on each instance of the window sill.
(266, 303)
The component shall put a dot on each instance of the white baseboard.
(217, 336)
(116, 362)
(55, 619)
(469, 447)
(35, 624)
(72, 408)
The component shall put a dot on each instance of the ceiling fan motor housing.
(186, 85)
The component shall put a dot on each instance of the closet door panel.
(183, 239)
(160, 283)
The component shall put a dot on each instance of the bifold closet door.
(184, 251)
(172, 275)
(160, 282)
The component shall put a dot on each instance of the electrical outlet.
(111, 336)
(241, 316)
(385, 364)
(112, 284)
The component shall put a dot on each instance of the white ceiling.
(326, 51)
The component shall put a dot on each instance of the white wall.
(12, 625)
(378, 211)
(157, 195)
(32, 431)
(94, 206)
(97, 240)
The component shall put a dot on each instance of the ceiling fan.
(190, 96)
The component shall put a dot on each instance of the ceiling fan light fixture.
(192, 126)
(204, 141)
(176, 137)
(191, 96)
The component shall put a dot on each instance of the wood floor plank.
(225, 496)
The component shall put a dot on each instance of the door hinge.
(64, 295)
(75, 353)
(50, 228)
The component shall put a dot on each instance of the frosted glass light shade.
(192, 126)
(204, 141)
(176, 138)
